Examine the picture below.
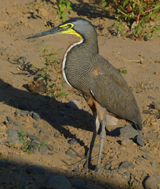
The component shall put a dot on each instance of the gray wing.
(113, 93)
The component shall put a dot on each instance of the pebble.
(74, 104)
(50, 147)
(70, 153)
(42, 131)
(43, 149)
(110, 120)
(137, 159)
(76, 170)
(13, 136)
(79, 185)
(34, 115)
(126, 164)
(106, 167)
(138, 140)
(126, 176)
(35, 125)
(157, 106)
(35, 170)
(128, 132)
(57, 134)
(72, 141)
(143, 150)
(154, 165)
(147, 157)
(33, 137)
(125, 142)
(21, 113)
(12, 122)
(101, 170)
(34, 143)
(152, 182)
(58, 182)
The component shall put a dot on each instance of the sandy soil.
(22, 19)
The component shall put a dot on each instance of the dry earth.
(58, 123)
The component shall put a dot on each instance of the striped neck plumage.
(64, 60)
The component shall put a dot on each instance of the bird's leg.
(102, 138)
(101, 114)
(95, 131)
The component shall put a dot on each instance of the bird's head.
(76, 26)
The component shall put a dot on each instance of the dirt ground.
(58, 123)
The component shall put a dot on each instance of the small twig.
(137, 61)
(81, 156)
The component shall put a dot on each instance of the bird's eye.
(70, 25)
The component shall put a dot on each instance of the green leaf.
(64, 16)
(63, 6)
(125, 3)
(68, 4)
(104, 4)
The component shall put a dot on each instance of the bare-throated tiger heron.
(101, 84)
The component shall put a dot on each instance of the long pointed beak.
(53, 31)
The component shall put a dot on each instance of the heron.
(100, 83)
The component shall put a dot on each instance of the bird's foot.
(83, 159)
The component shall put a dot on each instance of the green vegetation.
(139, 13)
(121, 71)
(62, 7)
(51, 71)
(135, 17)
(26, 145)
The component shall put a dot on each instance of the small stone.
(154, 165)
(12, 122)
(21, 113)
(43, 149)
(50, 147)
(147, 157)
(13, 136)
(111, 120)
(58, 182)
(72, 141)
(128, 132)
(42, 131)
(125, 176)
(106, 167)
(36, 170)
(125, 142)
(143, 150)
(33, 137)
(101, 170)
(108, 173)
(74, 104)
(23, 58)
(34, 143)
(157, 106)
(70, 153)
(137, 159)
(152, 182)
(35, 125)
(76, 170)
(138, 140)
(126, 164)
(57, 134)
(34, 115)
